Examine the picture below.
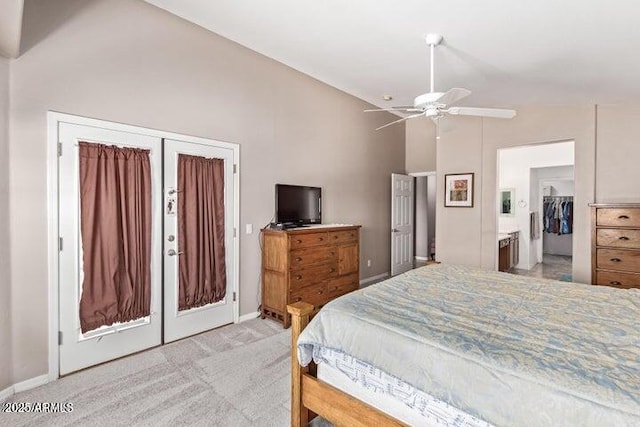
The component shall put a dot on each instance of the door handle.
(395, 230)
(172, 252)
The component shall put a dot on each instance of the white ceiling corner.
(10, 27)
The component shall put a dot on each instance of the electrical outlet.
(368, 263)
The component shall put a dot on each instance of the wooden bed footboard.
(310, 396)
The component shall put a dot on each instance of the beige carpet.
(237, 375)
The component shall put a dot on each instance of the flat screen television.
(298, 205)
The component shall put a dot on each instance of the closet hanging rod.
(563, 198)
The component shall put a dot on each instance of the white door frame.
(53, 121)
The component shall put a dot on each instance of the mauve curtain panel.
(202, 271)
(115, 221)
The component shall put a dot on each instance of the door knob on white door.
(395, 230)
(174, 253)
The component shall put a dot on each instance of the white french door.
(180, 324)
(401, 223)
(78, 350)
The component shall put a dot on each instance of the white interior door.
(77, 350)
(180, 324)
(402, 189)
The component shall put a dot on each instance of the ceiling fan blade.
(409, 108)
(497, 113)
(400, 120)
(453, 95)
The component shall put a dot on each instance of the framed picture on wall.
(458, 190)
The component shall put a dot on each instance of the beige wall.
(420, 146)
(468, 236)
(129, 62)
(5, 288)
(618, 152)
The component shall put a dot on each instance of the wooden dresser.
(615, 243)
(314, 265)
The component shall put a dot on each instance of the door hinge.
(59, 149)
(60, 244)
(235, 168)
(234, 297)
(234, 232)
(59, 337)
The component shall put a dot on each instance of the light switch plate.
(249, 228)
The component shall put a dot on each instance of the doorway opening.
(425, 218)
(535, 192)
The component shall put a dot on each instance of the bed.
(469, 347)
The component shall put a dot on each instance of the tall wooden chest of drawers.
(615, 242)
(312, 264)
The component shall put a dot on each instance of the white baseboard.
(31, 383)
(6, 393)
(249, 316)
(374, 278)
(24, 386)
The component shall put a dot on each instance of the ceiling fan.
(437, 104)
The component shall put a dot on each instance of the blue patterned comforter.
(508, 349)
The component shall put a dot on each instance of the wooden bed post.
(299, 312)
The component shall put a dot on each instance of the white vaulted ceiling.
(506, 52)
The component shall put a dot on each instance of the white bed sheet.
(371, 386)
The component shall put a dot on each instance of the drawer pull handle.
(623, 217)
(321, 238)
(333, 254)
(335, 237)
(616, 260)
(298, 241)
(331, 270)
(298, 299)
(299, 277)
(615, 283)
(623, 238)
(320, 292)
(298, 259)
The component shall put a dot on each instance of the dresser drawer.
(618, 238)
(300, 278)
(301, 258)
(618, 259)
(343, 236)
(617, 279)
(618, 217)
(297, 241)
(342, 285)
(316, 295)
